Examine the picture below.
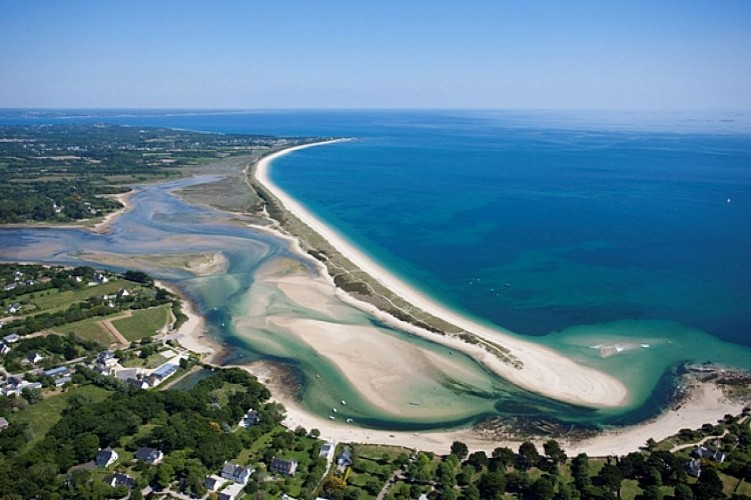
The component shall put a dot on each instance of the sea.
(622, 240)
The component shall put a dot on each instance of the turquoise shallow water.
(576, 230)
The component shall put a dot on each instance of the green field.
(51, 300)
(43, 415)
(143, 322)
(88, 329)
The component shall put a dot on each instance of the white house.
(236, 473)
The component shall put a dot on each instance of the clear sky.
(634, 54)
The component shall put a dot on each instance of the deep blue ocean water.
(538, 222)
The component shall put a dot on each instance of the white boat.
(332, 417)
(349, 420)
(344, 402)
(334, 410)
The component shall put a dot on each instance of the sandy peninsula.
(106, 224)
(544, 371)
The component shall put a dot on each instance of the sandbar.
(544, 371)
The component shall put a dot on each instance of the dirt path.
(107, 324)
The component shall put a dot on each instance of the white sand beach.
(192, 334)
(105, 225)
(705, 405)
(544, 371)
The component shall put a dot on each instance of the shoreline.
(192, 335)
(542, 367)
(106, 224)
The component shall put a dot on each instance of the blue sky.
(663, 55)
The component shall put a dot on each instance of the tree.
(504, 456)
(554, 452)
(478, 460)
(709, 485)
(459, 449)
(528, 455)
(580, 471)
(542, 489)
(491, 485)
(610, 478)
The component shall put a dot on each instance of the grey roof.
(103, 456)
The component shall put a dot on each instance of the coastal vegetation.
(67, 173)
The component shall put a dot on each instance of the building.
(231, 492)
(284, 467)
(250, 419)
(213, 482)
(141, 384)
(151, 456)
(236, 473)
(694, 467)
(61, 381)
(345, 458)
(165, 371)
(118, 479)
(106, 457)
(35, 357)
(100, 278)
(13, 337)
(106, 358)
(327, 451)
(4, 348)
(56, 372)
(704, 452)
(3, 423)
(13, 309)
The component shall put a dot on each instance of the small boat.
(415, 403)
(332, 417)
(318, 376)
(334, 410)
(344, 402)
(349, 420)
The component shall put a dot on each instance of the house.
(27, 385)
(236, 473)
(694, 467)
(123, 293)
(61, 381)
(13, 337)
(106, 457)
(100, 278)
(250, 419)
(284, 467)
(213, 482)
(3, 423)
(704, 452)
(106, 358)
(141, 384)
(35, 357)
(165, 371)
(327, 451)
(4, 348)
(151, 456)
(118, 479)
(55, 372)
(13, 309)
(345, 458)
(8, 288)
(231, 492)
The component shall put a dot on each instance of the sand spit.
(544, 371)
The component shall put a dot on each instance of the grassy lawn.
(43, 415)
(54, 299)
(149, 363)
(88, 329)
(143, 322)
